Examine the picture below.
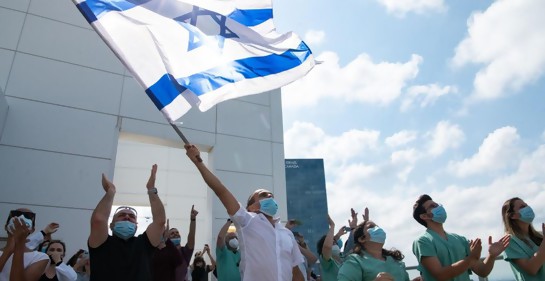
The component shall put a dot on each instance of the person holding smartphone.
(200, 269)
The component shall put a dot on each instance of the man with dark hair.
(123, 256)
(448, 256)
(268, 250)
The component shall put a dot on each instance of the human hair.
(72, 261)
(360, 247)
(320, 245)
(513, 228)
(58, 242)
(251, 200)
(418, 209)
(24, 212)
(199, 259)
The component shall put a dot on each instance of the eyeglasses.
(17, 213)
(131, 209)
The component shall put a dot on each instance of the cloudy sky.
(421, 96)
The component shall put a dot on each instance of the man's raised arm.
(156, 228)
(226, 197)
(192, 228)
(220, 241)
(99, 218)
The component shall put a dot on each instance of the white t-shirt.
(267, 253)
(28, 259)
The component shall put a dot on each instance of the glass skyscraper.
(307, 198)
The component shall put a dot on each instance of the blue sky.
(421, 96)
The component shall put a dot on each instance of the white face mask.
(233, 243)
(11, 224)
(335, 250)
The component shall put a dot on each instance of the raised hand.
(194, 213)
(151, 180)
(206, 249)
(365, 214)
(496, 248)
(107, 185)
(291, 224)
(193, 153)
(51, 228)
(475, 249)
(19, 231)
(353, 223)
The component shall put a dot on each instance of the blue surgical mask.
(335, 250)
(11, 224)
(176, 241)
(527, 214)
(439, 214)
(377, 235)
(340, 243)
(268, 206)
(233, 243)
(124, 229)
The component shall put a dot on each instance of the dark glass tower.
(307, 198)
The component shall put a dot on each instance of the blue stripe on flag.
(164, 91)
(94, 9)
(251, 17)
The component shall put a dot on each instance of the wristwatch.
(152, 190)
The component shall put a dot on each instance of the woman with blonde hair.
(526, 250)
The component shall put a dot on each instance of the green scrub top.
(366, 268)
(330, 269)
(448, 251)
(227, 264)
(518, 249)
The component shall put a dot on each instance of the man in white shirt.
(268, 250)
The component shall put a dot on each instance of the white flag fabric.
(188, 53)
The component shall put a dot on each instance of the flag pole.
(184, 139)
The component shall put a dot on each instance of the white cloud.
(401, 138)
(361, 80)
(445, 136)
(314, 37)
(402, 7)
(425, 95)
(306, 140)
(508, 40)
(407, 156)
(498, 150)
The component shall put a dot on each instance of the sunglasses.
(131, 209)
(17, 213)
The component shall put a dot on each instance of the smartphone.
(347, 228)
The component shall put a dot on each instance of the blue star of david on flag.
(187, 56)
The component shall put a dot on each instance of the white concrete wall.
(70, 100)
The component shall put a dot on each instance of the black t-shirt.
(200, 273)
(165, 261)
(122, 260)
(44, 278)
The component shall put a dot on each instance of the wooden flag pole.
(184, 139)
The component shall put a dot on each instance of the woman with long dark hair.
(526, 250)
(370, 261)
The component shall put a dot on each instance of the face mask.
(124, 229)
(11, 225)
(233, 243)
(439, 214)
(335, 250)
(340, 243)
(176, 241)
(377, 235)
(268, 206)
(527, 214)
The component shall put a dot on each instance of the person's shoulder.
(35, 256)
(457, 237)
(424, 237)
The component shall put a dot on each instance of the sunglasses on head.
(17, 213)
(121, 208)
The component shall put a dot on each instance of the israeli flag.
(198, 52)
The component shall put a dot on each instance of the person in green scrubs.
(329, 252)
(526, 251)
(370, 261)
(447, 256)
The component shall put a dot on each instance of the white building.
(69, 111)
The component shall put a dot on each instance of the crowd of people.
(261, 248)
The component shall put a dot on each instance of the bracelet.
(152, 190)
(43, 233)
(193, 219)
